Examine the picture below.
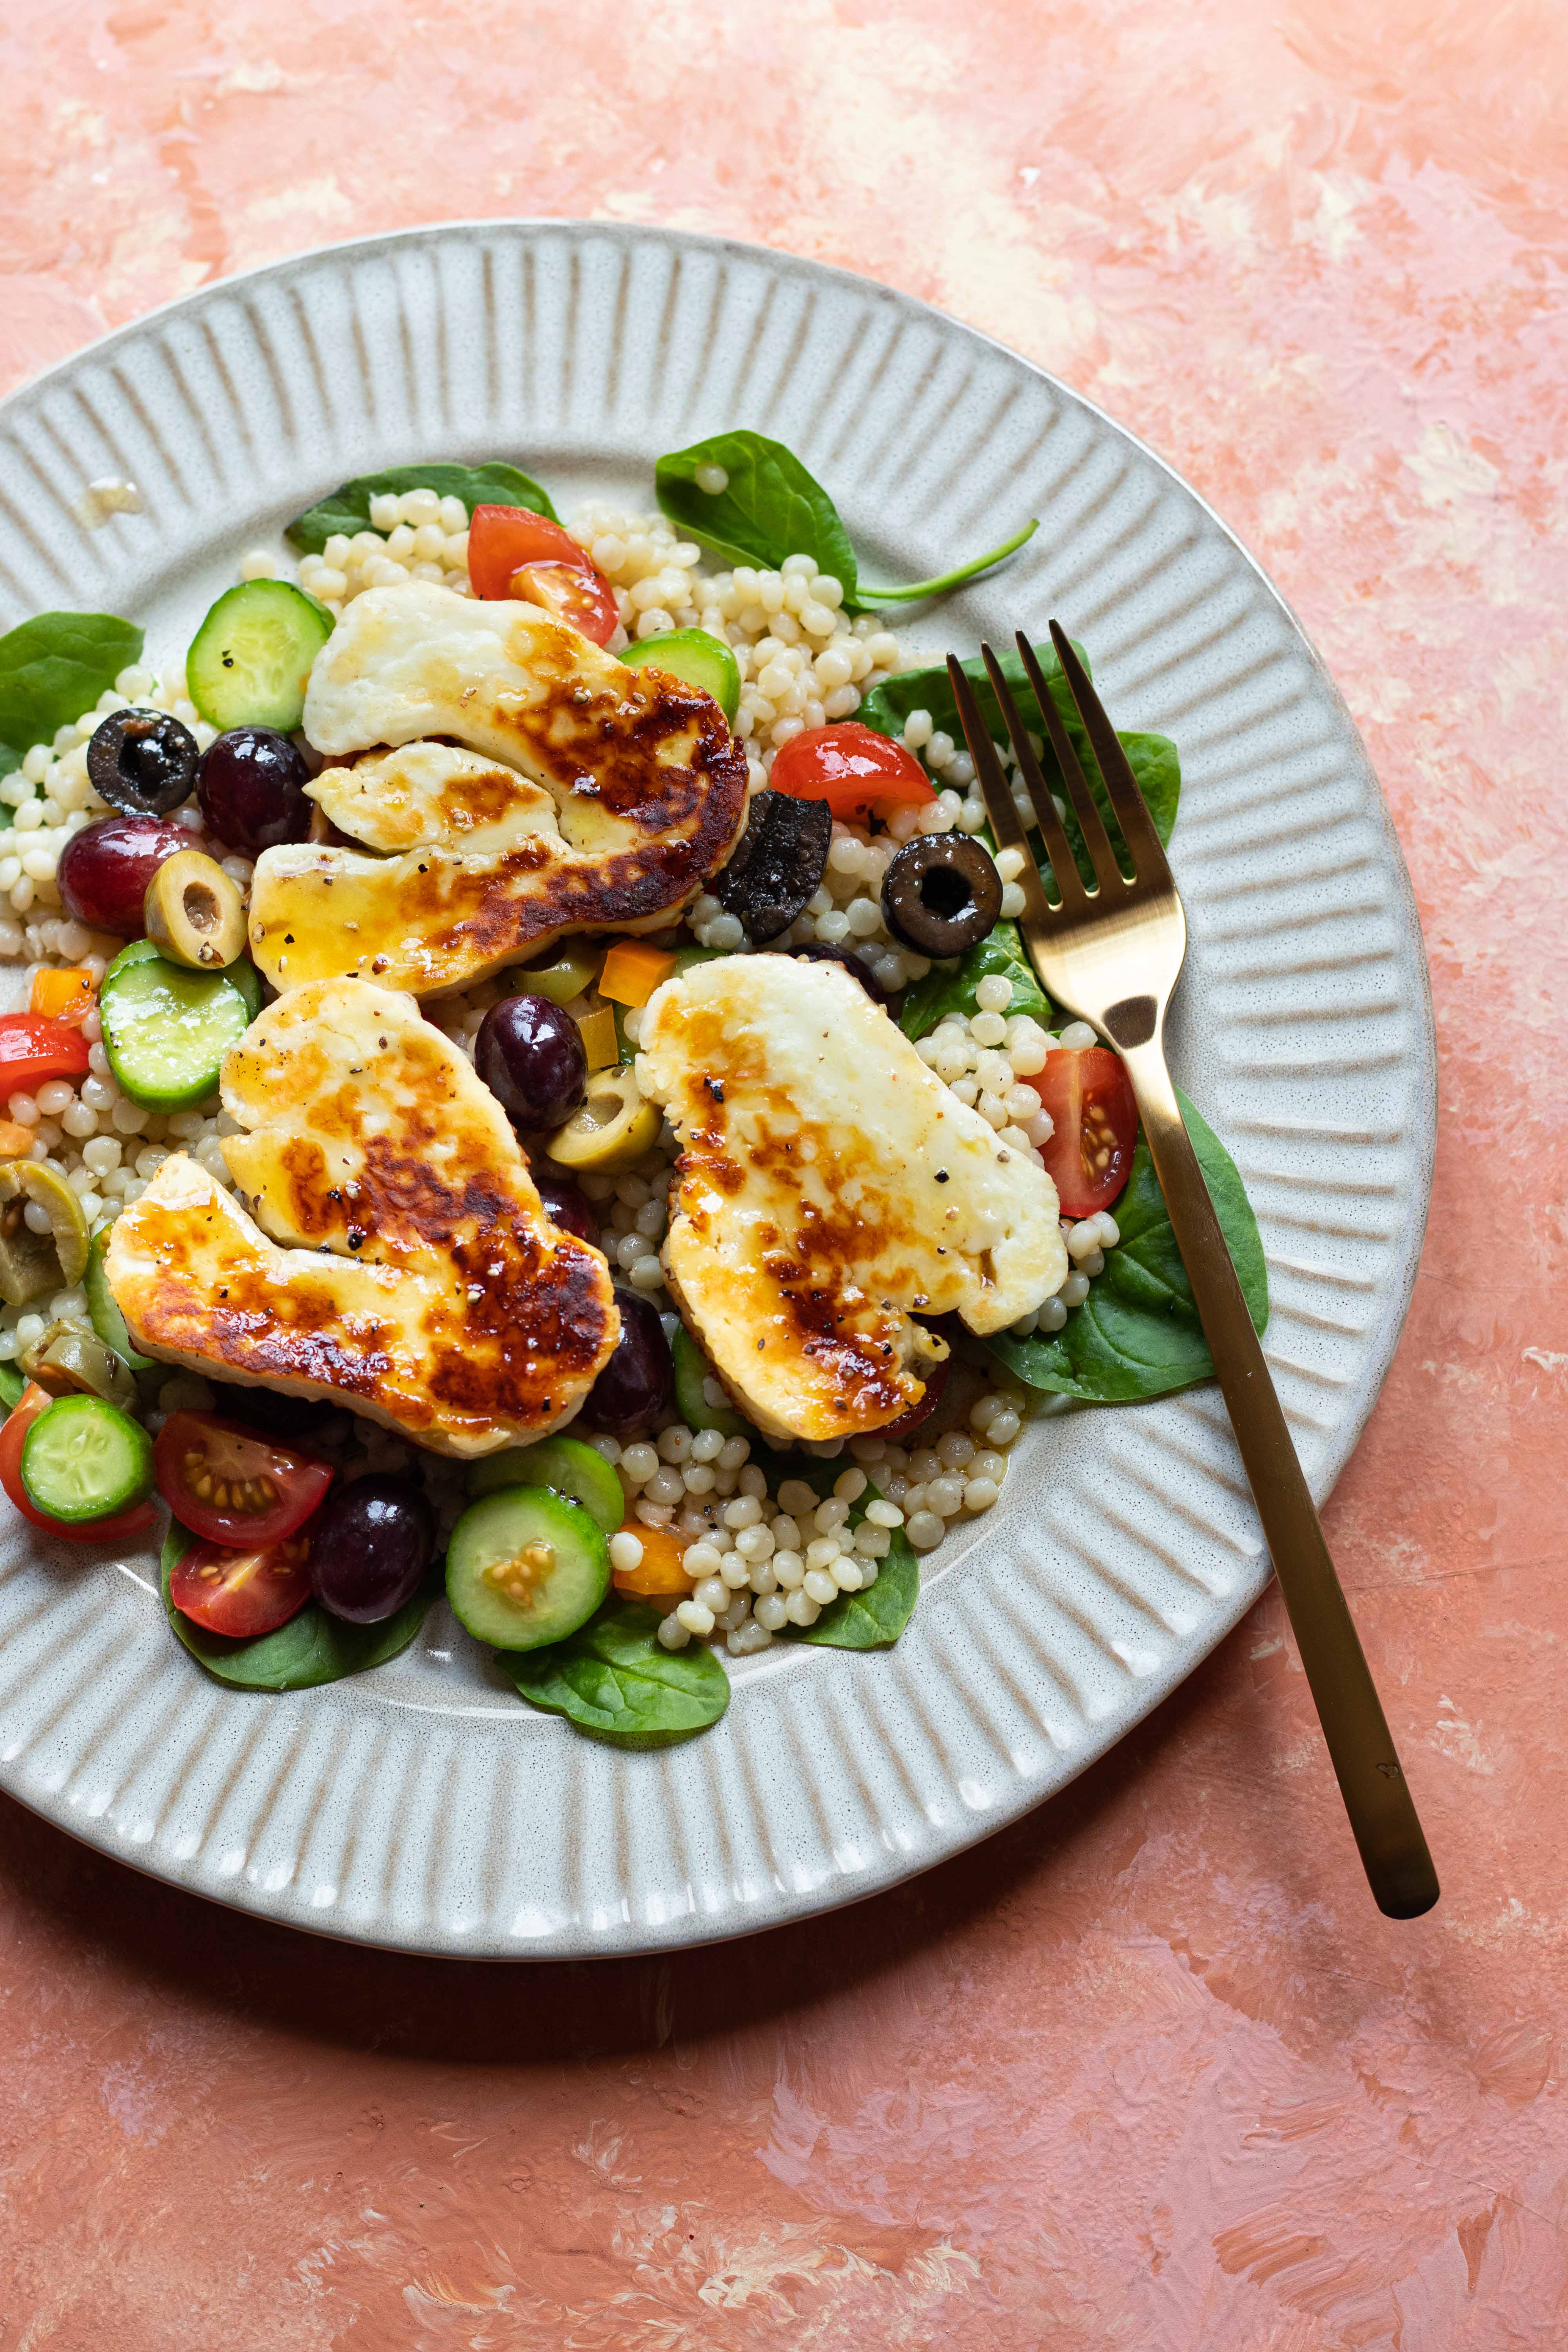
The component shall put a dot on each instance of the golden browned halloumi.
(400, 1261)
(572, 794)
(830, 1186)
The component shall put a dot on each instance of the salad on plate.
(532, 1090)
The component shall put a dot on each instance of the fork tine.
(1063, 864)
(1000, 805)
(1096, 840)
(1120, 784)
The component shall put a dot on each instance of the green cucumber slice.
(696, 658)
(563, 1464)
(107, 1319)
(250, 662)
(166, 1029)
(691, 1369)
(566, 1573)
(83, 1458)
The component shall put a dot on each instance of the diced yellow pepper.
(597, 1031)
(633, 970)
(63, 995)
(15, 1142)
(659, 1573)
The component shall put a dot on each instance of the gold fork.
(1112, 955)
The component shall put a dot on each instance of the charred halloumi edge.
(830, 1188)
(575, 795)
(411, 1274)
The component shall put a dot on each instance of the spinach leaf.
(1154, 759)
(311, 1648)
(347, 510)
(873, 1618)
(614, 1681)
(1136, 1334)
(54, 666)
(771, 508)
(11, 1386)
(10, 760)
(950, 987)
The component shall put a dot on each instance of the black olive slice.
(142, 762)
(941, 894)
(778, 865)
(819, 952)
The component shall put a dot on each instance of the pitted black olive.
(142, 762)
(819, 952)
(778, 865)
(941, 894)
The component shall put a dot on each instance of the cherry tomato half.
(1089, 1097)
(120, 1527)
(243, 1594)
(856, 771)
(231, 1486)
(513, 552)
(34, 1049)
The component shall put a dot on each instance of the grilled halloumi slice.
(573, 794)
(397, 1260)
(829, 1187)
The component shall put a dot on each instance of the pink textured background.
(1146, 2070)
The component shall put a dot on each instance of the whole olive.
(530, 1054)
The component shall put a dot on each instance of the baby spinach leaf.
(347, 508)
(11, 1386)
(874, 1617)
(771, 506)
(1154, 759)
(311, 1648)
(950, 987)
(10, 760)
(1136, 1334)
(54, 666)
(614, 1681)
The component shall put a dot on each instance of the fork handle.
(1377, 1798)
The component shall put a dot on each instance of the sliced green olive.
(71, 1361)
(573, 968)
(33, 1263)
(613, 1128)
(195, 912)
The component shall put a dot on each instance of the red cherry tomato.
(120, 1527)
(856, 771)
(243, 1594)
(231, 1486)
(34, 1049)
(513, 552)
(1089, 1097)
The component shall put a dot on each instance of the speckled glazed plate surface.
(422, 1806)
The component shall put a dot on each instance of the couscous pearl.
(625, 1549)
(770, 1612)
(979, 1493)
(989, 1464)
(695, 1617)
(735, 1572)
(745, 1511)
(788, 1569)
(698, 1560)
(801, 1609)
(706, 1445)
(1004, 1426)
(924, 1530)
(672, 1633)
(638, 1463)
(699, 1478)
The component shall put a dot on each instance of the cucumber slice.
(83, 1458)
(564, 1464)
(698, 660)
(107, 1319)
(166, 1029)
(691, 1369)
(250, 662)
(525, 1566)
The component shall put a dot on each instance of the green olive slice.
(68, 1360)
(32, 1264)
(563, 978)
(194, 913)
(613, 1128)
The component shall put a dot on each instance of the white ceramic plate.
(422, 1806)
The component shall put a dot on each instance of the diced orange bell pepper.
(63, 995)
(659, 1575)
(15, 1142)
(600, 1042)
(633, 970)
